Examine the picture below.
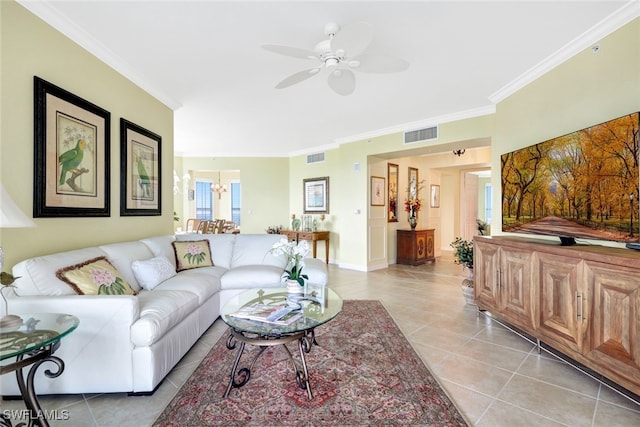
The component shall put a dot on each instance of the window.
(235, 202)
(487, 203)
(204, 200)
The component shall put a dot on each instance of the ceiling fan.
(341, 53)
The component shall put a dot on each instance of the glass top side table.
(33, 342)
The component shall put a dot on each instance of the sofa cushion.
(37, 276)
(151, 272)
(95, 277)
(221, 246)
(159, 312)
(204, 282)
(161, 245)
(251, 276)
(254, 249)
(122, 254)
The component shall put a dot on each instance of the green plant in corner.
(463, 252)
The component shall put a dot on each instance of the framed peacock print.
(140, 171)
(71, 154)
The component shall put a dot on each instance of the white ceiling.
(203, 59)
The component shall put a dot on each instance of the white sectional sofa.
(129, 343)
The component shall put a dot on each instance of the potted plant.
(463, 255)
(294, 254)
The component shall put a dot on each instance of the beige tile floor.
(494, 376)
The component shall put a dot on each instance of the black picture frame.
(72, 139)
(140, 171)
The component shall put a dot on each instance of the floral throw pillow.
(192, 254)
(95, 277)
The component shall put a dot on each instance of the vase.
(293, 287)
(468, 288)
(413, 222)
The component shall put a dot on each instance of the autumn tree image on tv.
(582, 185)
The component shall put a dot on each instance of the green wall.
(30, 47)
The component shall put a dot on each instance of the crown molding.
(50, 15)
(432, 121)
(608, 25)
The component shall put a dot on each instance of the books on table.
(275, 314)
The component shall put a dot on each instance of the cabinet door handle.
(578, 306)
(498, 278)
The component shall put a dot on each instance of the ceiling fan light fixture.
(331, 62)
(344, 45)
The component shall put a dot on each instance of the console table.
(415, 247)
(312, 236)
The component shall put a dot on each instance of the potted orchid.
(294, 254)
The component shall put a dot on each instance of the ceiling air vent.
(315, 158)
(421, 135)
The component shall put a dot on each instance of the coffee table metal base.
(240, 377)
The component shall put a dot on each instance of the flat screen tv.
(581, 185)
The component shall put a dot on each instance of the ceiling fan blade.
(290, 51)
(343, 82)
(297, 77)
(371, 63)
(353, 38)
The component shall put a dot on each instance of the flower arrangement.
(294, 253)
(413, 204)
(463, 252)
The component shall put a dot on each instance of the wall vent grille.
(315, 158)
(421, 135)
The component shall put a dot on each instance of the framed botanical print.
(316, 195)
(71, 154)
(377, 191)
(435, 196)
(140, 171)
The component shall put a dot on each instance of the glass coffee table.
(32, 339)
(315, 312)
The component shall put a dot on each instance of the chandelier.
(459, 152)
(218, 187)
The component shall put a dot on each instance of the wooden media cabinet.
(582, 300)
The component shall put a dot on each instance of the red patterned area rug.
(363, 372)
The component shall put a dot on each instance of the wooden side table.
(311, 236)
(415, 247)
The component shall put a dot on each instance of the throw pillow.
(192, 254)
(151, 272)
(96, 276)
